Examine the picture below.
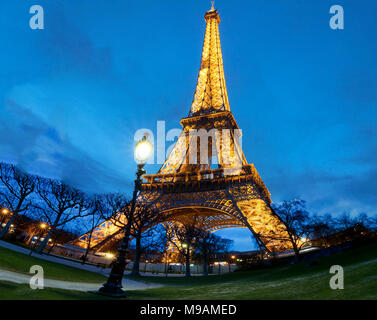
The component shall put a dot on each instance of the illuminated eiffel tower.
(206, 174)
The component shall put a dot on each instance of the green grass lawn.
(286, 282)
(19, 262)
(14, 291)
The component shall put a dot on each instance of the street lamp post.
(113, 285)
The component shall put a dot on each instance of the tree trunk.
(32, 248)
(87, 249)
(90, 240)
(294, 245)
(136, 266)
(49, 234)
(45, 241)
(166, 269)
(5, 230)
(205, 265)
(188, 271)
(53, 245)
(297, 251)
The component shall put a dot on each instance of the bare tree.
(295, 217)
(151, 246)
(184, 236)
(362, 220)
(153, 242)
(144, 218)
(69, 233)
(97, 213)
(15, 193)
(209, 246)
(373, 223)
(115, 206)
(344, 222)
(321, 227)
(60, 204)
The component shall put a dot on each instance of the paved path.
(23, 278)
(79, 265)
(69, 285)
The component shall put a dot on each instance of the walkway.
(69, 285)
(81, 286)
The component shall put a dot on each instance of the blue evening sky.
(73, 95)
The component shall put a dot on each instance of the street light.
(113, 285)
(4, 211)
(109, 255)
(143, 150)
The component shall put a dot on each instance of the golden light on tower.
(230, 195)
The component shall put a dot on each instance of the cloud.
(41, 149)
(329, 192)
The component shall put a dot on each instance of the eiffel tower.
(211, 181)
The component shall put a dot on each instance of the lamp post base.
(111, 290)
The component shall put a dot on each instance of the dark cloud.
(328, 192)
(40, 149)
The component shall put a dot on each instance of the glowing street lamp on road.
(113, 286)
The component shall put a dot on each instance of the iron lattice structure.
(187, 185)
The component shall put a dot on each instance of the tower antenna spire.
(213, 5)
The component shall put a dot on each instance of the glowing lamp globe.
(143, 150)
